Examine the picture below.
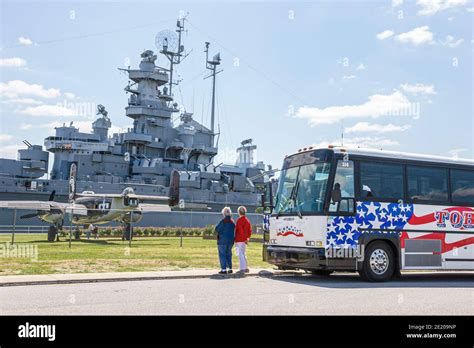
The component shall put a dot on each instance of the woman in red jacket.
(243, 231)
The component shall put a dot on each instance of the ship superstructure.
(144, 155)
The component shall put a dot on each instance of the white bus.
(372, 211)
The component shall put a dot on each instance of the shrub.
(102, 232)
(116, 232)
(199, 232)
(137, 231)
(208, 230)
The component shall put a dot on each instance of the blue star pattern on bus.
(266, 222)
(344, 231)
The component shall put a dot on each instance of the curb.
(261, 273)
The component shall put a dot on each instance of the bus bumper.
(295, 258)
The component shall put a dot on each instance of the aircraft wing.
(45, 206)
(150, 198)
(150, 208)
(76, 209)
(99, 195)
(131, 195)
(31, 205)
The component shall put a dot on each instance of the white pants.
(240, 249)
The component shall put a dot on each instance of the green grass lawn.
(110, 254)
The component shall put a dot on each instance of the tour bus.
(371, 211)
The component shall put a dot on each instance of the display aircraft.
(94, 208)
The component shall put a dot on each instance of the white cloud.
(69, 95)
(361, 67)
(26, 126)
(396, 3)
(418, 88)
(385, 34)
(10, 151)
(470, 9)
(417, 36)
(366, 127)
(455, 152)
(371, 142)
(364, 142)
(348, 77)
(451, 42)
(24, 41)
(16, 88)
(430, 7)
(377, 105)
(48, 110)
(29, 101)
(14, 62)
(5, 137)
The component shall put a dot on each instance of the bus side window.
(344, 181)
(381, 181)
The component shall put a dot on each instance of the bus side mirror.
(336, 195)
(267, 197)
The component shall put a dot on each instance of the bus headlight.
(273, 241)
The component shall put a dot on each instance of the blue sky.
(393, 74)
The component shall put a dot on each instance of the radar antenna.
(169, 44)
(101, 111)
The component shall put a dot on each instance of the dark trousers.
(225, 255)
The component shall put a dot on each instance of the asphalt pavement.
(284, 294)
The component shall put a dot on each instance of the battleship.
(143, 156)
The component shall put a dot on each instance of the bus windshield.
(302, 189)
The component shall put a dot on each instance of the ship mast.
(174, 57)
(212, 66)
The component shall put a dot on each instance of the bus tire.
(379, 262)
(321, 272)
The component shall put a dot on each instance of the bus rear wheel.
(379, 262)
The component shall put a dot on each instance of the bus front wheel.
(379, 262)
